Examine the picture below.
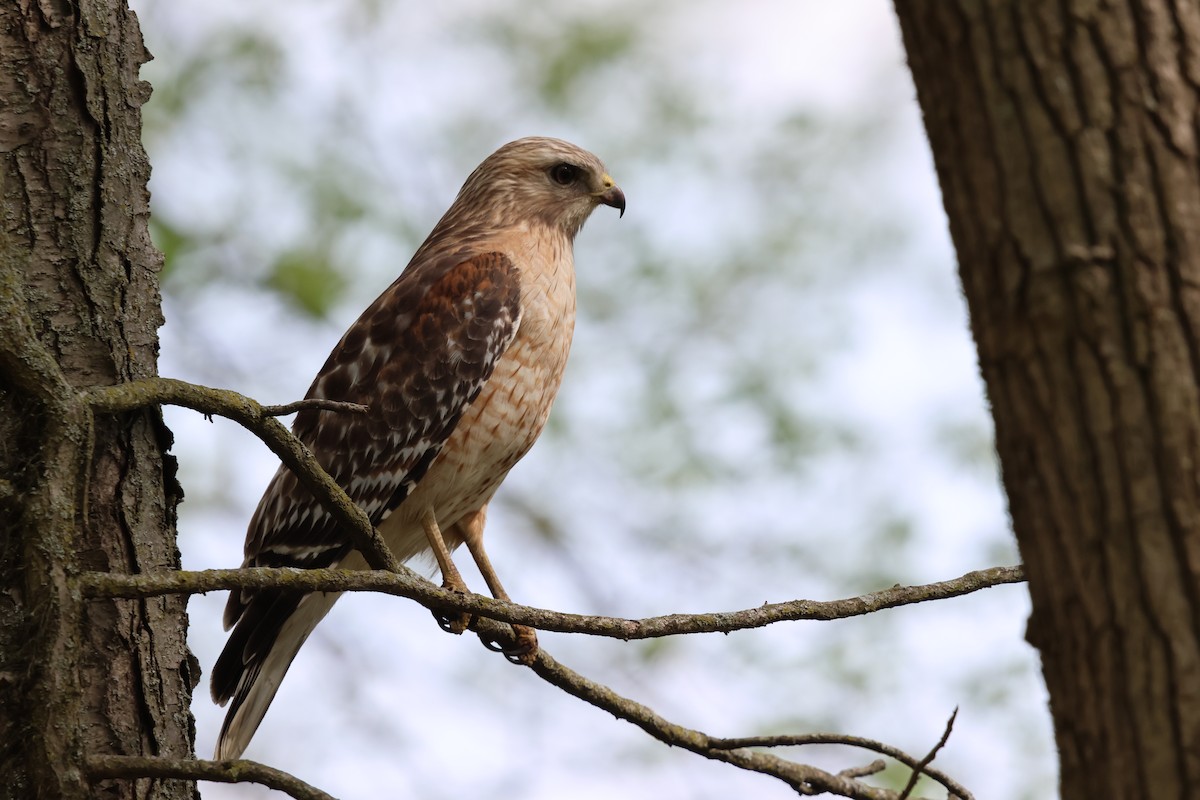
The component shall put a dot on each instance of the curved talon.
(518, 654)
(493, 645)
(453, 622)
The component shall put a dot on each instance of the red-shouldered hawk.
(458, 362)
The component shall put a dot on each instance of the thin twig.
(800, 739)
(319, 403)
(251, 415)
(406, 583)
(237, 771)
(866, 770)
(924, 763)
(801, 777)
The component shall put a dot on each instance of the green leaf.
(307, 280)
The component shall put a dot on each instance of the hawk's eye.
(564, 174)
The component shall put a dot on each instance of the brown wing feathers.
(417, 357)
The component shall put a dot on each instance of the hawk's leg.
(470, 529)
(451, 579)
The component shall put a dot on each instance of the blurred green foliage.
(706, 448)
(308, 280)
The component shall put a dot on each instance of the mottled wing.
(417, 357)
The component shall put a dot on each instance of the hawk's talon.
(493, 645)
(455, 622)
(522, 656)
(523, 651)
(519, 654)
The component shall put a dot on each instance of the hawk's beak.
(612, 195)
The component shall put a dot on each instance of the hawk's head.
(539, 178)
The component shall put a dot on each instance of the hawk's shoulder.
(417, 358)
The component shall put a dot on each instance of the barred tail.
(269, 632)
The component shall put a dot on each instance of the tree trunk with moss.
(79, 306)
(1065, 140)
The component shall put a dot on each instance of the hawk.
(458, 363)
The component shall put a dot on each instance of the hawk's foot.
(524, 648)
(455, 622)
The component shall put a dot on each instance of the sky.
(773, 393)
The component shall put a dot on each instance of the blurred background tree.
(773, 392)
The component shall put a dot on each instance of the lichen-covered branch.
(803, 778)
(100, 767)
(492, 617)
(406, 583)
(259, 420)
(317, 403)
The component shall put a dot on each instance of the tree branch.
(803, 778)
(796, 740)
(318, 403)
(491, 615)
(406, 583)
(237, 771)
(923, 765)
(259, 420)
(874, 768)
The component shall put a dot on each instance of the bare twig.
(319, 403)
(257, 419)
(874, 768)
(803, 778)
(924, 763)
(406, 583)
(799, 739)
(236, 771)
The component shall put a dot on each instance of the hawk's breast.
(504, 421)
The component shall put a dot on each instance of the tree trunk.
(79, 290)
(1064, 136)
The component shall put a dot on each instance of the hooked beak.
(612, 195)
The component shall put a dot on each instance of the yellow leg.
(470, 530)
(451, 579)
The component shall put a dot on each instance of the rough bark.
(79, 280)
(1064, 135)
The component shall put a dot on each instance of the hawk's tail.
(269, 633)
